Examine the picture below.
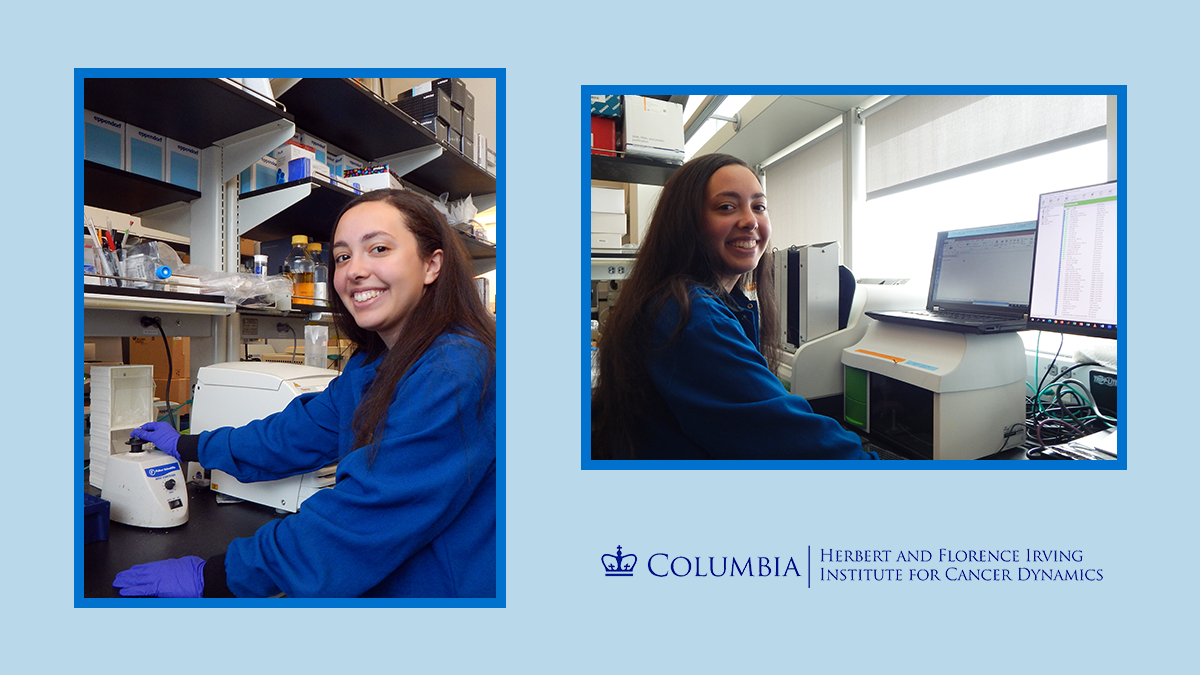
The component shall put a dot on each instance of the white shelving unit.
(234, 127)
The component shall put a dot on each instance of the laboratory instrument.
(938, 394)
(235, 394)
(145, 488)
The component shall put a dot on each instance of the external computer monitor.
(1075, 258)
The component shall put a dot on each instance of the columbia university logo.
(618, 565)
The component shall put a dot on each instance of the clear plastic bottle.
(145, 263)
(300, 269)
(320, 276)
(316, 346)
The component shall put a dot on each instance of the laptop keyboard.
(956, 316)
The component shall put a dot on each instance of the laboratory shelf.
(477, 248)
(343, 113)
(315, 205)
(309, 206)
(146, 300)
(622, 254)
(632, 169)
(196, 111)
(116, 190)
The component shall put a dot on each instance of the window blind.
(919, 137)
(804, 194)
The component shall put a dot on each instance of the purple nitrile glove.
(162, 435)
(172, 578)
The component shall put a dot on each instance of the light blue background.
(563, 615)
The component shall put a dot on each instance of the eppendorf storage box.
(653, 128)
(182, 165)
(103, 140)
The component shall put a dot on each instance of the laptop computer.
(980, 281)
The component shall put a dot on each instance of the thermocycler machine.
(233, 394)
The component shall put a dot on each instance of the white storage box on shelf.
(653, 128)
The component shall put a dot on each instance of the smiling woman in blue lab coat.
(411, 423)
(687, 356)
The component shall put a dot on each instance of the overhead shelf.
(116, 190)
(632, 169)
(195, 111)
(310, 207)
(352, 118)
(307, 206)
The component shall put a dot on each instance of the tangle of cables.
(1061, 410)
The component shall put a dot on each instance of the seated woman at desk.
(411, 423)
(687, 360)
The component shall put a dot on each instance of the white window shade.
(922, 138)
(804, 195)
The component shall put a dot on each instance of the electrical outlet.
(1046, 370)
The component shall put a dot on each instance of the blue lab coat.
(714, 397)
(417, 520)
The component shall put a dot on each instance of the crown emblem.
(618, 565)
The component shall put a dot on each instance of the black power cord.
(281, 327)
(148, 321)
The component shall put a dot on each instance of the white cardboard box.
(293, 150)
(607, 200)
(606, 240)
(642, 200)
(374, 178)
(653, 128)
(609, 223)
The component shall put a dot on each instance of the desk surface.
(210, 528)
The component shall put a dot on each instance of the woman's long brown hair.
(673, 257)
(451, 304)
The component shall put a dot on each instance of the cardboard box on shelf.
(181, 393)
(149, 351)
(374, 178)
(103, 140)
(604, 136)
(607, 200)
(642, 200)
(262, 174)
(304, 167)
(605, 105)
(606, 240)
(293, 150)
(609, 223)
(88, 365)
(145, 152)
(182, 164)
(320, 147)
(653, 128)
